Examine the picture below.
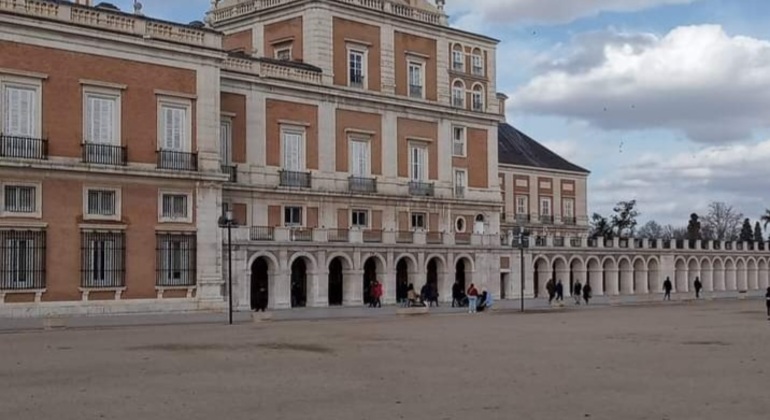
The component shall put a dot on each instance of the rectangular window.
(418, 220)
(458, 61)
(20, 110)
(175, 207)
(461, 181)
(360, 218)
(174, 128)
(22, 260)
(478, 100)
(101, 202)
(103, 263)
(292, 216)
(356, 72)
(176, 259)
(226, 141)
(418, 163)
(416, 80)
(569, 208)
(545, 206)
(478, 65)
(293, 151)
(359, 158)
(522, 205)
(20, 199)
(283, 53)
(102, 116)
(458, 141)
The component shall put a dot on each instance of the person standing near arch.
(667, 289)
(698, 286)
(767, 302)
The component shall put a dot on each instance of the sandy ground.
(679, 361)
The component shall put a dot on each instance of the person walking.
(473, 294)
(457, 295)
(587, 292)
(377, 294)
(698, 286)
(578, 290)
(550, 287)
(559, 292)
(767, 302)
(433, 294)
(667, 289)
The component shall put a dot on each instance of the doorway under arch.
(299, 283)
(260, 284)
(335, 282)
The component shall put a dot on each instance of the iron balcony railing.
(462, 238)
(558, 241)
(478, 105)
(540, 241)
(434, 238)
(404, 237)
(546, 219)
(295, 179)
(262, 233)
(231, 171)
(177, 161)
(357, 80)
(301, 235)
(338, 235)
(460, 192)
(571, 221)
(422, 189)
(458, 102)
(478, 71)
(372, 236)
(358, 184)
(23, 147)
(104, 154)
(415, 91)
(523, 218)
(575, 242)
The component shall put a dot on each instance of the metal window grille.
(176, 264)
(103, 259)
(101, 202)
(22, 259)
(175, 206)
(20, 199)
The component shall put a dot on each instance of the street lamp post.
(226, 221)
(523, 242)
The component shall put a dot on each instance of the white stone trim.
(23, 82)
(22, 73)
(111, 93)
(101, 84)
(38, 185)
(118, 202)
(190, 206)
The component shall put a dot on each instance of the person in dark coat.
(667, 289)
(578, 289)
(261, 299)
(767, 302)
(458, 295)
(587, 292)
(698, 286)
(550, 287)
(433, 294)
(559, 292)
(425, 294)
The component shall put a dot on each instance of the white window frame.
(414, 226)
(21, 82)
(461, 90)
(570, 200)
(461, 54)
(108, 94)
(477, 58)
(358, 225)
(548, 200)
(302, 216)
(294, 130)
(412, 62)
(37, 214)
(175, 103)
(364, 53)
(164, 219)
(118, 203)
(456, 141)
(526, 204)
(458, 220)
(464, 177)
(480, 93)
(226, 140)
(32, 264)
(424, 173)
(351, 158)
(286, 48)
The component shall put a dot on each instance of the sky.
(665, 101)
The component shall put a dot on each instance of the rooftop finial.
(137, 7)
(440, 4)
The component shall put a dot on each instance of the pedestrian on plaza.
(433, 294)
(559, 292)
(412, 299)
(698, 286)
(458, 296)
(550, 287)
(425, 294)
(667, 289)
(377, 294)
(473, 295)
(587, 292)
(578, 290)
(767, 302)
(371, 293)
(261, 299)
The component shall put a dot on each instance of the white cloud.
(669, 188)
(696, 79)
(543, 11)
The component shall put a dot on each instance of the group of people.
(375, 294)
(556, 291)
(471, 298)
(428, 295)
(668, 287)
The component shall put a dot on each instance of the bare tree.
(723, 221)
(650, 230)
(670, 232)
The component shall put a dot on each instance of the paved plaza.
(684, 360)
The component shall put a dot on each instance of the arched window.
(458, 58)
(478, 98)
(458, 94)
(477, 62)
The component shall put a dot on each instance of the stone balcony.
(114, 20)
(226, 10)
(273, 69)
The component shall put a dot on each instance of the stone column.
(353, 287)
(611, 280)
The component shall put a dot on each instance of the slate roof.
(517, 148)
